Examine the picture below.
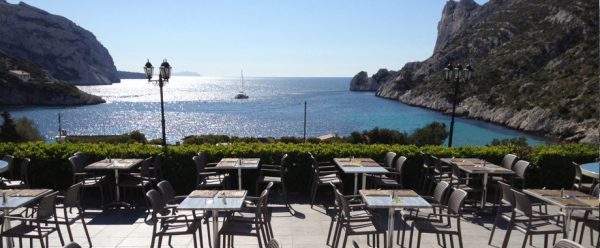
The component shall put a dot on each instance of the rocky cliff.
(67, 51)
(536, 66)
(41, 89)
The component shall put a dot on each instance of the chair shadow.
(116, 216)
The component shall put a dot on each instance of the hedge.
(49, 166)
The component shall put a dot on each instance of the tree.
(28, 130)
(433, 134)
(8, 130)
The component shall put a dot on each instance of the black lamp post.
(163, 78)
(458, 74)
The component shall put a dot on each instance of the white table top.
(359, 168)
(3, 166)
(397, 202)
(114, 164)
(214, 203)
(234, 163)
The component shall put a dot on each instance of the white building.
(23, 75)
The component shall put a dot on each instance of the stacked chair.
(323, 174)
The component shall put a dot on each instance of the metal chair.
(72, 245)
(508, 161)
(565, 243)
(138, 181)
(169, 225)
(87, 179)
(508, 200)
(322, 175)
(453, 210)
(32, 228)
(23, 182)
(273, 173)
(437, 200)
(442, 172)
(587, 219)
(273, 243)
(70, 201)
(249, 225)
(393, 178)
(426, 172)
(578, 183)
(358, 211)
(206, 178)
(459, 180)
(532, 224)
(354, 224)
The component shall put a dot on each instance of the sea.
(275, 108)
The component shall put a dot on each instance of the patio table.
(475, 166)
(361, 166)
(238, 164)
(573, 200)
(3, 166)
(215, 201)
(393, 200)
(16, 198)
(591, 170)
(115, 164)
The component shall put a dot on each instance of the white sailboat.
(242, 95)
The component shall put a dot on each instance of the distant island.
(535, 67)
(130, 75)
(186, 73)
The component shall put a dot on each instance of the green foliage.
(133, 137)
(378, 136)
(21, 130)
(50, 168)
(433, 134)
(138, 137)
(8, 131)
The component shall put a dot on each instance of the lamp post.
(163, 78)
(458, 74)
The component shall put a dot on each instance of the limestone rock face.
(535, 66)
(67, 51)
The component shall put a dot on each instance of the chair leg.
(60, 237)
(545, 240)
(451, 241)
(495, 224)
(160, 241)
(345, 240)
(313, 194)
(87, 234)
(524, 241)
(419, 240)
(69, 230)
(412, 227)
(194, 240)
(460, 243)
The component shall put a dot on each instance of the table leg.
(567, 223)
(118, 195)
(364, 181)
(484, 193)
(6, 226)
(355, 184)
(215, 215)
(239, 178)
(390, 235)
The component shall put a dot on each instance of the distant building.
(23, 75)
(329, 137)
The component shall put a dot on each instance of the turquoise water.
(206, 105)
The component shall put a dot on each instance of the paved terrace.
(307, 228)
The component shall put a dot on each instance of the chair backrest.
(145, 167)
(400, 164)
(456, 200)
(46, 206)
(565, 243)
(157, 204)
(200, 161)
(342, 203)
(314, 164)
(166, 190)
(72, 196)
(283, 161)
(522, 202)
(520, 168)
(389, 159)
(262, 203)
(508, 161)
(24, 170)
(577, 178)
(596, 190)
(72, 245)
(507, 194)
(77, 164)
(157, 164)
(273, 243)
(440, 191)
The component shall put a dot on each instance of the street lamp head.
(448, 72)
(148, 69)
(469, 72)
(165, 70)
(458, 70)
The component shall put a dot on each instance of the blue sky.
(264, 38)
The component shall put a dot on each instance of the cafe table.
(116, 165)
(238, 164)
(3, 166)
(475, 166)
(571, 200)
(591, 170)
(215, 201)
(392, 200)
(357, 166)
(16, 198)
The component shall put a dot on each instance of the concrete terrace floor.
(307, 228)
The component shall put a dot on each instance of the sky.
(280, 38)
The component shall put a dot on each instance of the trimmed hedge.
(49, 166)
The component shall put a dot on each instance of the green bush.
(50, 168)
(21, 130)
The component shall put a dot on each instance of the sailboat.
(242, 95)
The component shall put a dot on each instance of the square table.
(393, 200)
(215, 201)
(238, 164)
(359, 166)
(574, 200)
(481, 167)
(115, 164)
(16, 198)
